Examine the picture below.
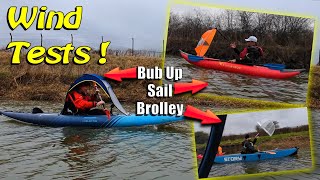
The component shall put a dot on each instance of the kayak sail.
(205, 41)
(103, 85)
(268, 126)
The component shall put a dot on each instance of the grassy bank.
(281, 141)
(44, 82)
(50, 82)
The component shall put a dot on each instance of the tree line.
(285, 39)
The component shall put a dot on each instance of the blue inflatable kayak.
(90, 120)
(233, 158)
(64, 119)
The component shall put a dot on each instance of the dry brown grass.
(50, 82)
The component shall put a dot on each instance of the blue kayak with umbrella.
(124, 119)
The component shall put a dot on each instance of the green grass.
(279, 137)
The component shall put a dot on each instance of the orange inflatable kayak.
(257, 71)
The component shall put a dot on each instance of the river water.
(302, 161)
(292, 90)
(33, 152)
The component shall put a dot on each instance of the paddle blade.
(108, 114)
(205, 41)
(270, 152)
(275, 66)
(268, 126)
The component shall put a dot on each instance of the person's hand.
(96, 92)
(100, 103)
(233, 45)
(232, 60)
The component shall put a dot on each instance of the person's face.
(251, 43)
(84, 89)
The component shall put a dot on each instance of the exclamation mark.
(103, 52)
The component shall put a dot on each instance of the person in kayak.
(79, 101)
(250, 55)
(220, 153)
(248, 145)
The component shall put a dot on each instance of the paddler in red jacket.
(249, 55)
(79, 101)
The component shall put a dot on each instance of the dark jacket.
(249, 55)
(248, 146)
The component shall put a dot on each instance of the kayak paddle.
(100, 98)
(270, 152)
(269, 128)
(275, 66)
(222, 35)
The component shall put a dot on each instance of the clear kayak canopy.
(268, 126)
(104, 85)
(205, 41)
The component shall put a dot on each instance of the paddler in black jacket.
(248, 145)
(250, 55)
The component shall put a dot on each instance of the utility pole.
(102, 39)
(163, 53)
(41, 39)
(71, 39)
(11, 41)
(132, 48)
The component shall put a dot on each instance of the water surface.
(34, 152)
(293, 90)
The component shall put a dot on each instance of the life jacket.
(70, 104)
(253, 53)
(220, 153)
(247, 147)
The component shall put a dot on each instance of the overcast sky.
(120, 20)
(246, 122)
